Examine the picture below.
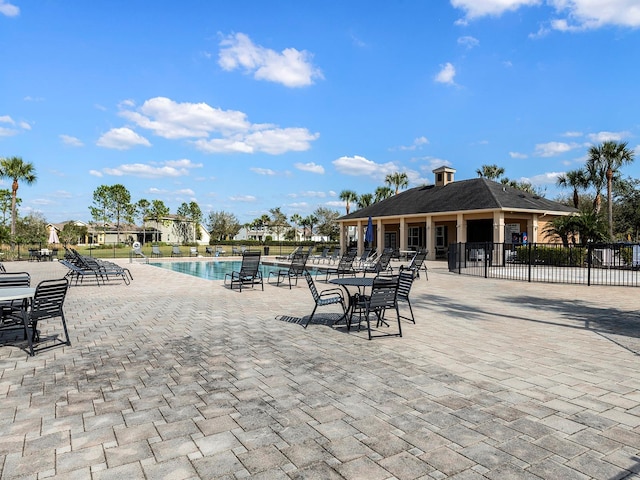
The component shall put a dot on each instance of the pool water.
(216, 270)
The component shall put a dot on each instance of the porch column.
(403, 234)
(343, 234)
(430, 238)
(360, 232)
(498, 227)
(532, 228)
(380, 236)
(461, 229)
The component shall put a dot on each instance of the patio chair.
(405, 282)
(193, 251)
(235, 251)
(47, 304)
(295, 270)
(329, 296)
(249, 273)
(344, 267)
(365, 257)
(208, 251)
(381, 265)
(155, 251)
(175, 251)
(220, 252)
(417, 263)
(384, 296)
(335, 256)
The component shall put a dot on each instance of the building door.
(391, 240)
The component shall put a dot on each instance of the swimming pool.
(215, 269)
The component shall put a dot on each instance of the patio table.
(361, 283)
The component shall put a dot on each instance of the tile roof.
(465, 195)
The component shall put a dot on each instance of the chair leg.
(311, 316)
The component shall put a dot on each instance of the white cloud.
(8, 132)
(517, 155)
(169, 169)
(272, 141)
(572, 134)
(71, 141)
(575, 15)
(25, 125)
(548, 178)
(230, 129)
(310, 167)
(588, 14)
(291, 67)
(446, 74)
(8, 9)
(122, 139)
(468, 41)
(173, 120)
(479, 8)
(262, 171)
(95, 173)
(417, 143)
(358, 165)
(7, 119)
(433, 163)
(607, 136)
(552, 149)
(29, 98)
(243, 198)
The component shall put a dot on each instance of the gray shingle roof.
(465, 195)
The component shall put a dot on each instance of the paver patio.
(176, 377)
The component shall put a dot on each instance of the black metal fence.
(611, 264)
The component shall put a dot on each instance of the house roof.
(465, 195)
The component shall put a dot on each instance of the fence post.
(589, 263)
(529, 262)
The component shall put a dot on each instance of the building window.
(439, 177)
(441, 236)
(413, 240)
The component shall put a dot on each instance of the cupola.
(444, 176)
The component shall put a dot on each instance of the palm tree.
(614, 156)
(397, 180)
(365, 200)
(383, 193)
(348, 196)
(17, 170)
(575, 179)
(491, 172)
(596, 175)
(296, 219)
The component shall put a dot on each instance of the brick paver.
(178, 377)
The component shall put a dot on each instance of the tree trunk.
(14, 196)
(610, 202)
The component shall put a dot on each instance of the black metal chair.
(329, 296)
(296, 270)
(404, 288)
(381, 265)
(344, 267)
(384, 296)
(249, 273)
(47, 304)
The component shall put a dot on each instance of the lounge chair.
(329, 296)
(344, 267)
(380, 265)
(295, 270)
(235, 251)
(220, 252)
(208, 251)
(249, 273)
(367, 257)
(335, 256)
(291, 255)
(155, 251)
(322, 257)
(193, 251)
(417, 263)
(175, 251)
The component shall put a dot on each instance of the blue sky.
(245, 106)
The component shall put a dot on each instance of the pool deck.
(176, 377)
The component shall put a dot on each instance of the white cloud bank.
(358, 165)
(13, 127)
(232, 131)
(572, 15)
(291, 67)
(171, 169)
